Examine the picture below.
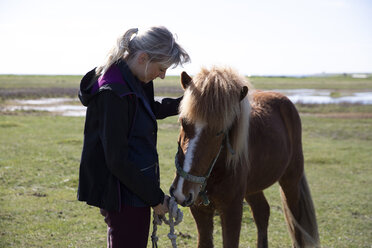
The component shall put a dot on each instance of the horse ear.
(185, 80)
(243, 92)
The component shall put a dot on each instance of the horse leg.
(204, 221)
(299, 212)
(231, 220)
(261, 213)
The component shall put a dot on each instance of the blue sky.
(266, 37)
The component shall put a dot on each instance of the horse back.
(274, 138)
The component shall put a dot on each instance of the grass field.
(39, 163)
(329, 82)
(34, 86)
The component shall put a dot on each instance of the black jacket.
(104, 166)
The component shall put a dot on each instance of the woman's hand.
(162, 208)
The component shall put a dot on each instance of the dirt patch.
(168, 91)
(20, 93)
(15, 93)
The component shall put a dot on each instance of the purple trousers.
(128, 228)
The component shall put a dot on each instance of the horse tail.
(303, 228)
(295, 193)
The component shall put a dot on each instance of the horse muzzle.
(185, 201)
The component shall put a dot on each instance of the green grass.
(39, 81)
(334, 108)
(72, 81)
(39, 165)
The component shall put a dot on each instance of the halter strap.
(203, 180)
(187, 176)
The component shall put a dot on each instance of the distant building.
(359, 75)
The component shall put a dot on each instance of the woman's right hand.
(162, 208)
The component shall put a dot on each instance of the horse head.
(210, 107)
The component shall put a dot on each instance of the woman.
(119, 170)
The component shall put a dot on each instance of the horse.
(234, 142)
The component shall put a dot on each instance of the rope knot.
(174, 212)
(172, 236)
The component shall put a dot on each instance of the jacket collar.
(136, 86)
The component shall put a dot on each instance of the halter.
(203, 180)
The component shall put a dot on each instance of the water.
(72, 107)
(60, 106)
(312, 96)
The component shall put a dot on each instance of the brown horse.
(232, 146)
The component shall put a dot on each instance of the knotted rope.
(174, 212)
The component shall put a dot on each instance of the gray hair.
(157, 42)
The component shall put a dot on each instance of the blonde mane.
(213, 98)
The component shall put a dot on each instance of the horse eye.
(180, 151)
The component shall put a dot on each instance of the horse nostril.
(188, 201)
(190, 197)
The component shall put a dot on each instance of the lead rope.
(174, 212)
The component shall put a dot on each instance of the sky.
(266, 37)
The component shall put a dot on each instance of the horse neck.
(239, 136)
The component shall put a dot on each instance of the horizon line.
(246, 75)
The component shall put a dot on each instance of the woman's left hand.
(162, 208)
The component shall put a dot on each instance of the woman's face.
(147, 71)
(154, 70)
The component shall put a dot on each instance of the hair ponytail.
(124, 41)
(118, 51)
